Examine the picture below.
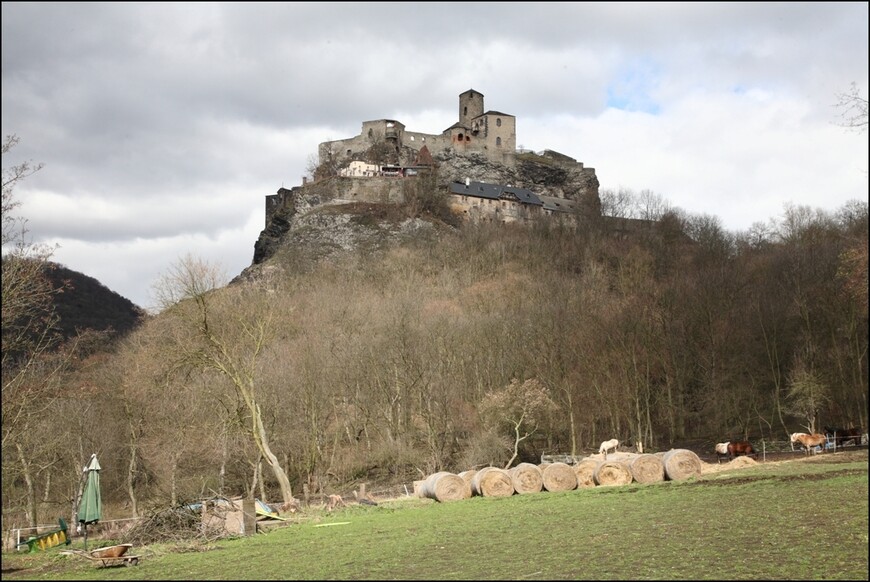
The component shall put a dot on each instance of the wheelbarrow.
(109, 556)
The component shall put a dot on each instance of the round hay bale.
(647, 469)
(558, 477)
(444, 486)
(526, 478)
(609, 473)
(740, 462)
(492, 482)
(585, 471)
(681, 464)
(619, 456)
(468, 476)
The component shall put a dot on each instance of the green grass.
(788, 521)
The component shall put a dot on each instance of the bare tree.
(226, 332)
(806, 394)
(853, 108)
(522, 407)
(31, 365)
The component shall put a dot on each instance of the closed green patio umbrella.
(90, 505)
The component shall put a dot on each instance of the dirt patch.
(736, 463)
(744, 462)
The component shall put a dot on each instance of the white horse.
(721, 451)
(607, 445)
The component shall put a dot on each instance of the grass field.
(795, 520)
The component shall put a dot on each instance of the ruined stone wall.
(391, 190)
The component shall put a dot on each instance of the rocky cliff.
(316, 221)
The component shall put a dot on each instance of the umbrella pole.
(86, 536)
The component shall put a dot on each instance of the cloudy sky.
(163, 126)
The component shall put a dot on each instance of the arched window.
(498, 142)
(464, 111)
(498, 121)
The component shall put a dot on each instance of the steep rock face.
(316, 222)
(270, 238)
(297, 240)
(547, 176)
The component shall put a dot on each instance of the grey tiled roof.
(499, 192)
(558, 204)
(495, 192)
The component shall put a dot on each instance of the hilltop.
(85, 303)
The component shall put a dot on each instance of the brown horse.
(809, 441)
(841, 436)
(739, 448)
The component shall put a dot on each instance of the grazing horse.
(607, 445)
(721, 450)
(739, 448)
(809, 441)
(841, 436)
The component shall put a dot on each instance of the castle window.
(498, 142)
(348, 152)
(464, 111)
(461, 137)
(412, 138)
(498, 121)
(371, 133)
(467, 138)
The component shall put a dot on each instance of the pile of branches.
(174, 524)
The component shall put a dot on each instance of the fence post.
(763, 452)
(249, 516)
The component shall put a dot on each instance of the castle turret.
(470, 106)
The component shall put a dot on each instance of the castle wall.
(391, 190)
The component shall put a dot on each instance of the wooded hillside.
(392, 365)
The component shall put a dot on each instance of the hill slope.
(86, 303)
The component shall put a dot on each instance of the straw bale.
(618, 456)
(558, 477)
(468, 475)
(742, 461)
(492, 482)
(585, 471)
(445, 486)
(526, 478)
(612, 473)
(681, 464)
(646, 468)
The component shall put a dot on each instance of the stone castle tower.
(470, 107)
(490, 133)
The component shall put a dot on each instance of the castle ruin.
(483, 176)
(491, 133)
